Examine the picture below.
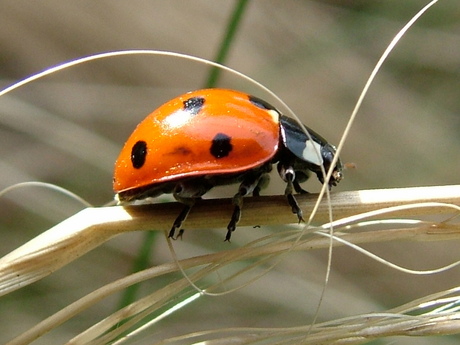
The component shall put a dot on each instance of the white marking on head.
(312, 152)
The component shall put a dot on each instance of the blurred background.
(68, 128)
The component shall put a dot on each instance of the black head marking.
(138, 154)
(221, 146)
(260, 103)
(193, 105)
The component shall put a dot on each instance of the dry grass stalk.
(93, 226)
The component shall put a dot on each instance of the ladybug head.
(328, 153)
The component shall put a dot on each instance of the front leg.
(288, 175)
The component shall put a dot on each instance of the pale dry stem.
(91, 227)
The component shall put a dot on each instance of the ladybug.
(214, 137)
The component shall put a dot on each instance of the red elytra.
(179, 137)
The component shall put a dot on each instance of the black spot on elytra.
(193, 105)
(260, 103)
(221, 145)
(138, 154)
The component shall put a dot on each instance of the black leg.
(295, 207)
(186, 192)
(263, 182)
(236, 215)
(298, 188)
(251, 184)
(179, 220)
(287, 174)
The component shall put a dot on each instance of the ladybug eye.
(221, 145)
(138, 154)
(193, 105)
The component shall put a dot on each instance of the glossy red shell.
(178, 141)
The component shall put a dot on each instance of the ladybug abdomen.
(207, 132)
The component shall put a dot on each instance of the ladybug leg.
(300, 177)
(186, 193)
(181, 218)
(298, 188)
(288, 175)
(249, 185)
(236, 215)
(263, 183)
